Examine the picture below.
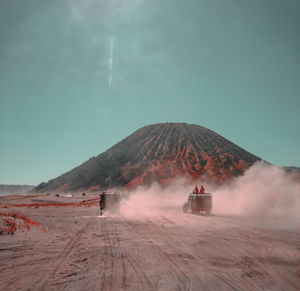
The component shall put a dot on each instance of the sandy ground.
(81, 250)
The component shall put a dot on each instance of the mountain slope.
(159, 153)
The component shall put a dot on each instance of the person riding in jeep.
(196, 190)
(202, 191)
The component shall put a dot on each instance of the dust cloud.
(155, 199)
(264, 190)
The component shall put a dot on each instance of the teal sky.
(78, 76)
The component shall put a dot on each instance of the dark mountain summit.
(158, 153)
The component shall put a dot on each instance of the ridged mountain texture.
(158, 152)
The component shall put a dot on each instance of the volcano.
(157, 153)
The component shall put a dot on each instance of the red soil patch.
(11, 221)
(84, 203)
(15, 197)
(95, 188)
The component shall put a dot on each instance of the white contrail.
(111, 59)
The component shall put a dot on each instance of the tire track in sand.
(183, 266)
(118, 263)
(264, 276)
(59, 260)
(173, 270)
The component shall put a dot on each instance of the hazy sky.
(78, 76)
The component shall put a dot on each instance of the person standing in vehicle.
(202, 191)
(196, 190)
